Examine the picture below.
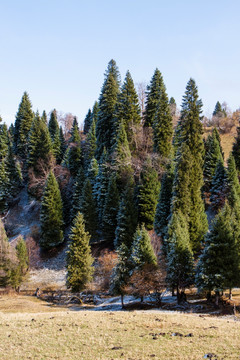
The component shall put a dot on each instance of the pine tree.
(218, 187)
(88, 209)
(217, 109)
(101, 185)
(19, 272)
(190, 137)
(40, 146)
(180, 266)
(79, 258)
(148, 192)
(51, 215)
(107, 102)
(4, 186)
(53, 126)
(77, 192)
(127, 107)
(56, 146)
(75, 151)
(92, 171)
(14, 172)
(23, 124)
(121, 155)
(91, 144)
(4, 141)
(142, 251)
(162, 125)
(163, 209)
(87, 122)
(62, 144)
(218, 266)
(44, 117)
(213, 154)
(126, 218)
(153, 96)
(121, 272)
(95, 111)
(110, 210)
(233, 182)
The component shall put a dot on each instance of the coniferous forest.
(139, 179)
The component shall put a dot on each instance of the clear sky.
(58, 50)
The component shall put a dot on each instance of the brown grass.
(94, 335)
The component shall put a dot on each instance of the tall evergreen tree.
(121, 155)
(218, 267)
(88, 209)
(4, 186)
(77, 192)
(101, 185)
(79, 258)
(126, 218)
(53, 126)
(142, 251)
(40, 146)
(51, 215)
(23, 125)
(218, 187)
(162, 125)
(180, 266)
(87, 122)
(153, 96)
(95, 111)
(44, 117)
(75, 151)
(90, 145)
(13, 171)
(236, 149)
(107, 102)
(127, 107)
(4, 141)
(148, 191)
(217, 109)
(110, 210)
(163, 209)
(63, 145)
(20, 270)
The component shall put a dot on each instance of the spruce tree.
(88, 209)
(40, 146)
(19, 272)
(87, 122)
(218, 266)
(110, 210)
(14, 172)
(218, 187)
(23, 124)
(4, 187)
(53, 126)
(90, 144)
(236, 149)
(127, 108)
(79, 258)
(44, 117)
(232, 182)
(75, 151)
(101, 185)
(92, 171)
(126, 217)
(121, 155)
(63, 145)
(162, 125)
(163, 209)
(51, 215)
(218, 109)
(180, 265)
(153, 96)
(142, 251)
(4, 141)
(148, 192)
(77, 192)
(107, 102)
(56, 147)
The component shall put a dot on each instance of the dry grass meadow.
(32, 329)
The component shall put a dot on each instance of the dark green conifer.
(19, 272)
(95, 111)
(126, 217)
(218, 109)
(4, 141)
(107, 102)
(88, 209)
(110, 210)
(53, 126)
(44, 117)
(87, 122)
(77, 192)
(148, 192)
(4, 186)
(79, 258)
(51, 215)
(142, 251)
(75, 151)
(63, 145)
(153, 96)
(162, 125)
(91, 144)
(101, 185)
(218, 187)
(92, 171)
(23, 125)
(236, 149)
(14, 172)
(218, 267)
(40, 146)
(163, 209)
(121, 155)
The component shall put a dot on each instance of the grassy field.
(30, 329)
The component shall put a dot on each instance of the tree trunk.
(178, 296)
(209, 296)
(217, 298)
(230, 294)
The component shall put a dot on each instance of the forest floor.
(37, 330)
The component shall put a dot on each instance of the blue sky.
(58, 50)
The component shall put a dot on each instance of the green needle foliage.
(79, 258)
(51, 215)
(53, 126)
(142, 251)
(88, 209)
(87, 122)
(154, 91)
